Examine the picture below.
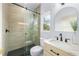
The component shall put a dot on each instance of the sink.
(65, 46)
(74, 47)
(68, 47)
(60, 43)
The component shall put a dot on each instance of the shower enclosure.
(32, 33)
(23, 27)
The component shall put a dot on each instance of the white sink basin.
(74, 47)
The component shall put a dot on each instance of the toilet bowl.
(37, 50)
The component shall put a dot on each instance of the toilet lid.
(36, 48)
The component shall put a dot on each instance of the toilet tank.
(42, 42)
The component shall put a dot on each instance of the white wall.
(45, 8)
(54, 8)
(1, 26)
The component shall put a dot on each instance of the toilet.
(37, 50)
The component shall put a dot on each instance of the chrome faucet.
(60, 37)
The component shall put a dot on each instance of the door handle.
(7, 30)
(55, 52)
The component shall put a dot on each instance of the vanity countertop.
(70, 48)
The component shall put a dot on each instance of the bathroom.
(40, 29)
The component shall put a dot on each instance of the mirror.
(66, 20)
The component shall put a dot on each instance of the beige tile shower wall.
(16, 25)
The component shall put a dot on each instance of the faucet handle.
(57, 38)
(66, 39)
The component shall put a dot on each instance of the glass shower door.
(32, 32)
(23, 26)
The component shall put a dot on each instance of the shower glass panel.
(32, 33)
(24, 30)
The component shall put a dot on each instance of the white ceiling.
(31, 6)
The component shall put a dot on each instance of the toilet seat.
(36, 51)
